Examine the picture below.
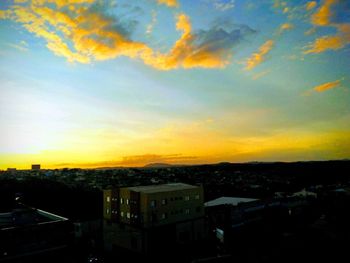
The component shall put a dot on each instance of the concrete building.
(147, 218)
(36, 166)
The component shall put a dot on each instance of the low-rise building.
(27, 232)
(147, 218)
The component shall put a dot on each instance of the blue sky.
(93, 83)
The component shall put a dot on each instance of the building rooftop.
(27, 216)
(162, 188)
(228, 201)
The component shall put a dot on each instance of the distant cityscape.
(225, 212)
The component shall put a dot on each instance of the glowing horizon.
(89, 83)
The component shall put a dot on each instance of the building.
(231, 218)
(27, 232)
(137, 218)
(36, 166)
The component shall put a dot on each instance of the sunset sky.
(87, 83)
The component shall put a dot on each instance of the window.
(196, 197)
(121, 214)
(164, 216)
(128, 215)
(153, 203)
(107, 211)
(154, 218)
(121, 200)
(187, 198)
(164, 201)
(108, 199)
(127, 201)
(187, 211)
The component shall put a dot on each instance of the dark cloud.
(124, 24)
(219, 38)
(136, 160)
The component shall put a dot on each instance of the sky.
(92, 83)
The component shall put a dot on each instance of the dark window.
(154, 218)
(133, 242)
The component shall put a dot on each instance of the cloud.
(327, 86)
(207, 48)
(311, 31)
(84, 33)
(150, 26)
(5, 14)
(261, 74)
(324, 14)
(21, 46)
(224, 5)
(170, 3)
(285, 27)
(136, 161)
(281, 6)
(260, 56)
(325, 17)
(310, 5)
(334, 42)
(286, 10)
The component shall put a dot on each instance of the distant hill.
(157, 165)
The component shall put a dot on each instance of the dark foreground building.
(26, 234)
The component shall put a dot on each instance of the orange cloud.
(324, 14)
(326, 86)
(338, 41)
(170, 3)
(310, 5)
(83, 34)
(286, 10)
(285, 27)
(5, 14)
(323, 17)
(185, 53)
(260, 56)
